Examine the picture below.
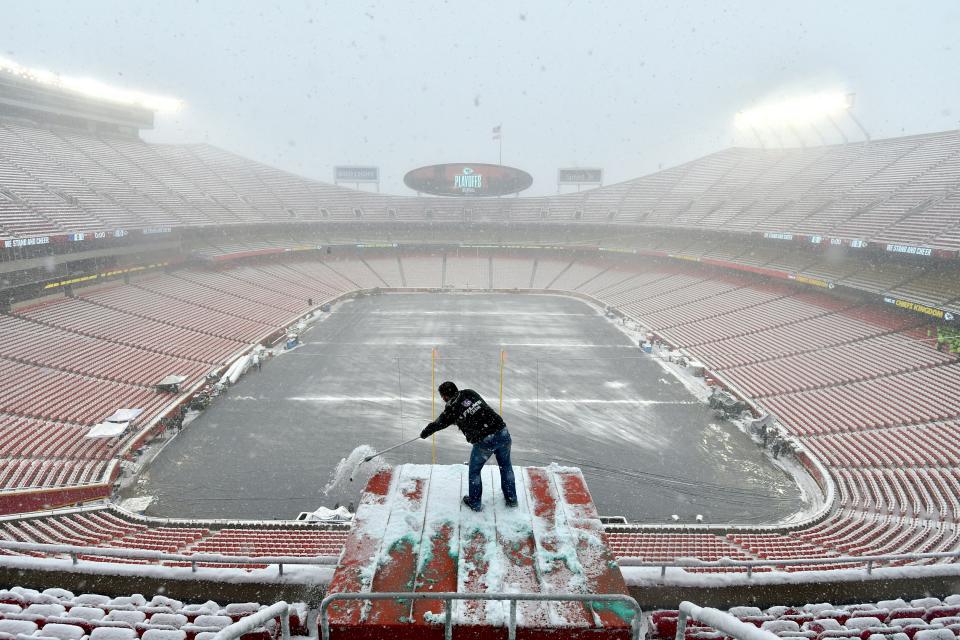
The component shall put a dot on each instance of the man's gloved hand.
(426, 433)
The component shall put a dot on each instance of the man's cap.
(447, 389)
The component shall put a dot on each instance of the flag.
(496, 132)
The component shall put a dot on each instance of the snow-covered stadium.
(751, 360)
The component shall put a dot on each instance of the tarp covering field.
(576, 390)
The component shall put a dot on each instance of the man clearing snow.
(485, 430)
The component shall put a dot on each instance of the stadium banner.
(100, 235)
(105, 274)
(356, 174)
(507, 245)
(934, 312)
(777, 235)
(773, 273)
(814, 282)
(579, 176)
(854, 243)
(468, 179)
(14, 243)
(910, 249)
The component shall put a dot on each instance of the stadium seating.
(924, 618)
(423, 271)
(83, 318)
(104, 527)
(58, 613)
(29, 437)
(899, 190)
(851, 380)
(271, 542)
(387, 270)
(512, 273)
(29, 342)
(68, 397)
(546, 270)
(921, 282)
(861, 387)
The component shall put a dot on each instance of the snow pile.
(350, 469)
(434, 618)
(137, 504)
(63, 631)
(553, 468)
(323, 514)
(110, 633)
(237, 369)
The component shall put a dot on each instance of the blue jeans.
(495, 444)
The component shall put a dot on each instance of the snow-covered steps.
(412, 533)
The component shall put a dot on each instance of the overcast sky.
(628, 86)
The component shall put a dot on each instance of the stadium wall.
(44, 499)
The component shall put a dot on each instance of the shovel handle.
(396, 446)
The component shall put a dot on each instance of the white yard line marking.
(408, 400)
(534, 314)
(436, 343)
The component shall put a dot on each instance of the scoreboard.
(467, 179)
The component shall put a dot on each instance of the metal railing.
(250, 623)
(260, 525)
(74, 552)
(750, 565)
(719, 620)
(513, 598)
(32, 515)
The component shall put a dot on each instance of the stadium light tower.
(93, 88)
(850, 99)
(796, 134)
(838, 129)
(796, 114)
(756, 134)
(819, 133)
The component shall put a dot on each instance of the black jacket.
(471, 414)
